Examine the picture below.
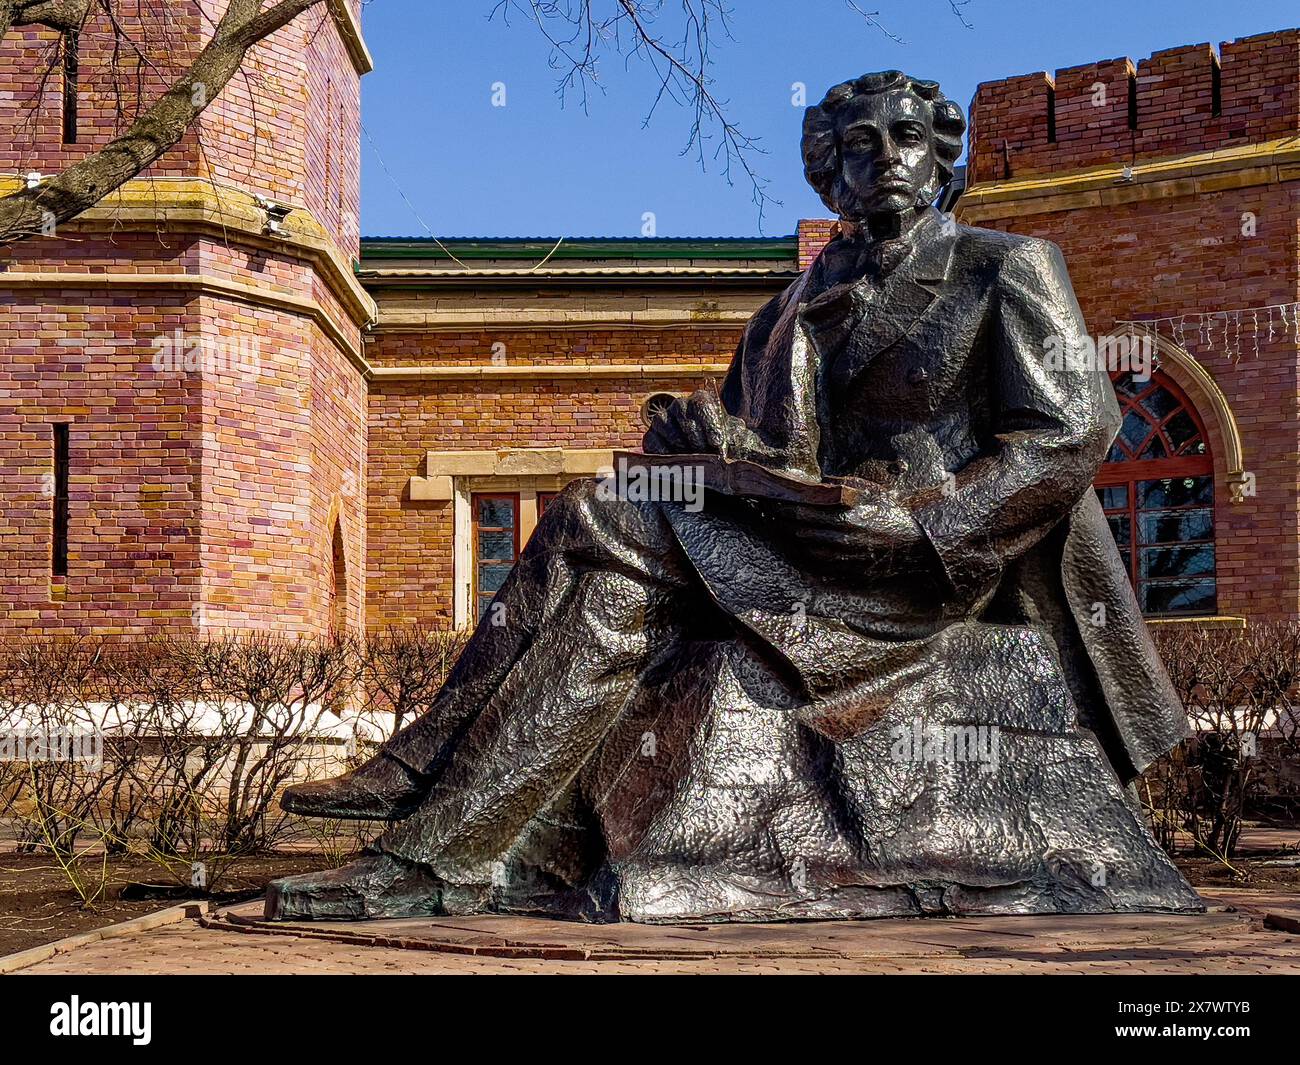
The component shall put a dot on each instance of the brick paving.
(1232, 938)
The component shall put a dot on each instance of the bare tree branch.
(681, 57)
(957, 6)
(873, 19)
(56, 14)
(82, 185)
(578, 33)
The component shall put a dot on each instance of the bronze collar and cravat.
(872, 292)
(850, 258)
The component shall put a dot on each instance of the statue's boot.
(384, 789)
(374, 886)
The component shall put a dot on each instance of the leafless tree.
(1239, 689)
(157, 128)
(677, 45)
(402, 669)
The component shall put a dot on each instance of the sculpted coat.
(940, 369)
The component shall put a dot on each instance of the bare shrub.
(71, 754)
(402, 670)
(1239, 689)
(46, 703)
(225, 755)
(199, 736)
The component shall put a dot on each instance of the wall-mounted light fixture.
(275, 213)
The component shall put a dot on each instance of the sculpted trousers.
(601, 593)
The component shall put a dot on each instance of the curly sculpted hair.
(821, 142)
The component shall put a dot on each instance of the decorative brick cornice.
(349, 27)
(634, 316)
(257, 295)
(228, 215)
(539, 371)
(1264, 163)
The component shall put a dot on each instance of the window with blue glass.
(496, 544)
(1157, 489)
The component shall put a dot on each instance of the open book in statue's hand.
(740, 477)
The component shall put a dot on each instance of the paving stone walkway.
(1235, 937)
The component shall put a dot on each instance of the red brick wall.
(814, 234)
(31, 87)
(200, 497)
(299, 141)
(1182, 253)
(85, 357)
(1180, 256)
(409, 577)
(282, 453)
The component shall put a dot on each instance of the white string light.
(1221, 330)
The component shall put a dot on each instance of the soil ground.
(38, 905)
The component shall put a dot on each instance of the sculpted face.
(887, 148)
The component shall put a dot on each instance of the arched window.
(1157, 488)
(338, 581)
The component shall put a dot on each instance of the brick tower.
(182, 396)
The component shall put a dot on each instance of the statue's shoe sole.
(375, 886)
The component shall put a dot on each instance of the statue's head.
(882, 143)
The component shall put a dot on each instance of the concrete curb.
(12, 963)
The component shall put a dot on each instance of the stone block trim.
(425, 433)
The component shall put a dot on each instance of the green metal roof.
(587, 248)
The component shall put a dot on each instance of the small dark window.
(1132, 101)
(338, 581)
(1216, 87)
(71, 44)
(1051, 114)
(59, 555)
(496, 544)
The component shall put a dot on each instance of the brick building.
(1173, 187)
(211, 420)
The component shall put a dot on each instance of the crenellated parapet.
(1178, 101)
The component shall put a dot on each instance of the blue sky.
(536, 168)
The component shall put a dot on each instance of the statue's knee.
(570, 505)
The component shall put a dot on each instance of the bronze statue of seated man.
(926, 697)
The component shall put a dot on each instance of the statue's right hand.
(695, 425)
